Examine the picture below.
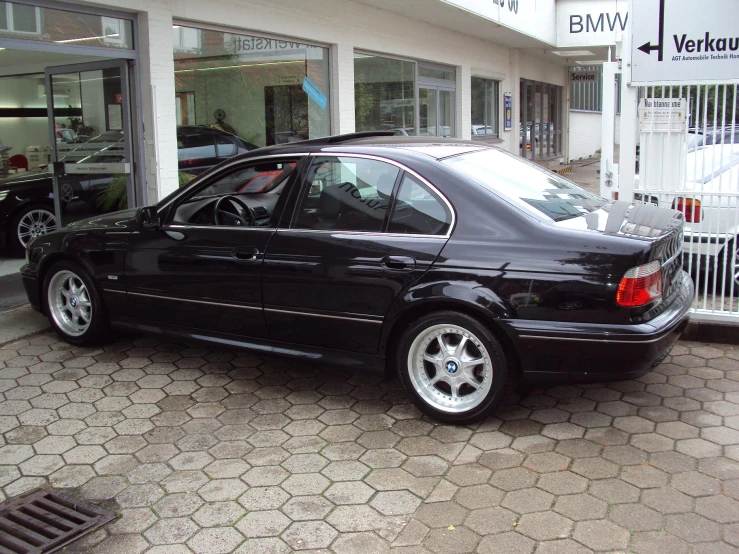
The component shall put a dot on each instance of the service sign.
(583, 76)
(681, 41)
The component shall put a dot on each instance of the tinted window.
(226, 148)
(195, 147)
(347, 194)
(526, 184)
(252, 180)
(418, 210)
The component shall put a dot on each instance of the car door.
(201, 273)
(352, 245)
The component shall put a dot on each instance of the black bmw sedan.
(456, 265)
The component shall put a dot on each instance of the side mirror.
(148, 217)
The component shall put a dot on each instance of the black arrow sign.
(647, 47)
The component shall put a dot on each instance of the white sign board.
(592, 23)
(663, 115)
(680, 41)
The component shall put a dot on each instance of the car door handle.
(399, 263)
(245, 253)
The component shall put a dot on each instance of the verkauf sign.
(679, 41)
(592, 23)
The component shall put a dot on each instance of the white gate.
(689, 161)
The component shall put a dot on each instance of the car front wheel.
(75, 309)
(453, 367)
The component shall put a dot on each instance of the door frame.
(127, 123)
(437, 88)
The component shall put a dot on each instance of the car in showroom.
(27, 199)
(454, 265)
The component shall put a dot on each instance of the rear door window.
(418, 210)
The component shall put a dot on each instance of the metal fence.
(689, 161)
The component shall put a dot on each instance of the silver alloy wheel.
(34, 224)
(70, 304)
(450, 368)
(66, 192)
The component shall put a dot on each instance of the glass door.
(436, 112)
(427, 108)
(90, 133)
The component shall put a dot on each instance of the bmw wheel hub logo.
(452, 367)
(73, 301)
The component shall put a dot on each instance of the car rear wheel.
(74, 307)
(453, 367)
(29, 223)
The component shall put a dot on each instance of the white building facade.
(276, 71)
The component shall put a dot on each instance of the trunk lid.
(660, 229)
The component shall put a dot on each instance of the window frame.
(494, 91)
(9, 18)
(296, 199)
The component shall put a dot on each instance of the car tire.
(446, 383)
(73, 305)
(28, 223)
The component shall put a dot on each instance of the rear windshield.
(526, 184)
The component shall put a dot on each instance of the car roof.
(200, 130)
(378, 141)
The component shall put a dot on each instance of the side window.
(192, 149)
(226, 148)
(252, 194)
(347, 194)
(418, 210)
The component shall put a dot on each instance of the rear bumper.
(552, 351)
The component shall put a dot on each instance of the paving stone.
(667, 500)
(528, 500)
(304, 535)
(359, 543)
(219, 490)
(719, 508)
(514, 478)
(306, 508)
(562, 482)
(219, 540)
(478, 496)
(452, 541)
(505, 543)
(601, 535)
(635, 517)
(544, 526)
(693, 528)
(171, 531)
(353, 492)
(178, 505)
(580, 507)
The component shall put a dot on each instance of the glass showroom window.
(484, 108)
(265, 90)
(384, 94)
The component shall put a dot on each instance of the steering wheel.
(243, 216)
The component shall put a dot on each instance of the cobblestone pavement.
(213, 451)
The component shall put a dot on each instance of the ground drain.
(44, 521)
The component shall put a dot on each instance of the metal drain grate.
(44, 521)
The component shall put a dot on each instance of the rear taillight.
(690, 208)
(641, 285)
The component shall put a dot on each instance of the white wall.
(585, 134)
(342, 25)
